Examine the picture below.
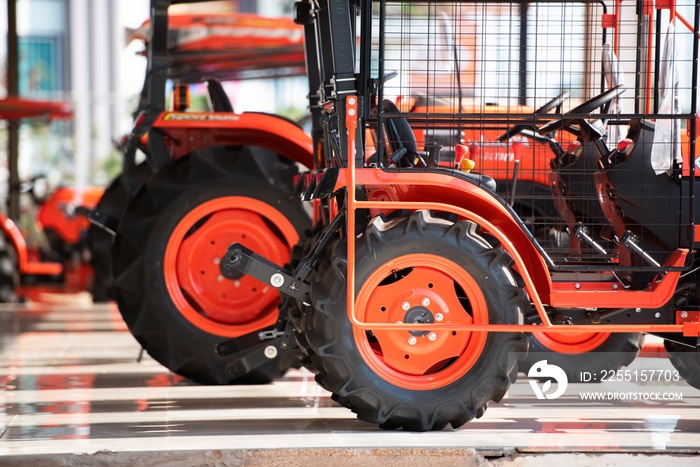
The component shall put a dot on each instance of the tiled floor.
(70, 382)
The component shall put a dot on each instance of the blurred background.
(77, 51)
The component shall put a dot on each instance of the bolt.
(351, 101)
(638, 310)
(351, 112)
(217, 260)
(577, 285)
(412, 340)
(399, 322)
(235, 258)
(426, 301)
(405, 305)
(236, 283)
(684, 314)
(657, 315)
(219, 278)
(432, 336)
(438, 317)
(616, 286)
(277, 280)
(270, 351)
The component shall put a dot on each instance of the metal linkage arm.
(240, 260)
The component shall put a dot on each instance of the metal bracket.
(240, 259)
(255, 349)
(99, 219)
(253, 358)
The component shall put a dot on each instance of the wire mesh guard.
(582, 112)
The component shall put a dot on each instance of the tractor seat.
(401, 143)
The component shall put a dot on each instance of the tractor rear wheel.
(166, 257)
(111, 205)
(420, 269)
(577, 352)
(686, 360)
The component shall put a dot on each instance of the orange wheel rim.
(571, 342)
(205, 298)
(421, 288)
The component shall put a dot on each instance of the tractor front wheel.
(420, 269)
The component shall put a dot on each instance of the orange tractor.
(163, 225)
(415, 299)
(26, 268)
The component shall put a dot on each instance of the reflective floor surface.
(71, 382)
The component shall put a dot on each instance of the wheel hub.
(417, 297)
(419, 315)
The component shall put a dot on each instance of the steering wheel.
(585, 108)
(516, 129)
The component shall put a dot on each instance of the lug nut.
(432, 336)
(277, 280)
(426, 301)
(217, 260)
(438, 316)
(412, 340)
(405, 305)
(270, 351)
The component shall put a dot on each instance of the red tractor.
(413, 300)
(208, 175)
(26, 268)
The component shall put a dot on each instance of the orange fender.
(449, 190)
(192, 131)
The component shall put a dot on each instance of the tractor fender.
(186, 132)
(451, 189)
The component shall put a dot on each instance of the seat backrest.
(398, 130)
(218, 98)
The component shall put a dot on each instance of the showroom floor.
(72, 385)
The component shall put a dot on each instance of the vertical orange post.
(351, 125)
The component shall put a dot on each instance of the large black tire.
(615, 352)
(449, 377)
(166, 278)
(9, 276)
(112, 204)
(686, 360)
